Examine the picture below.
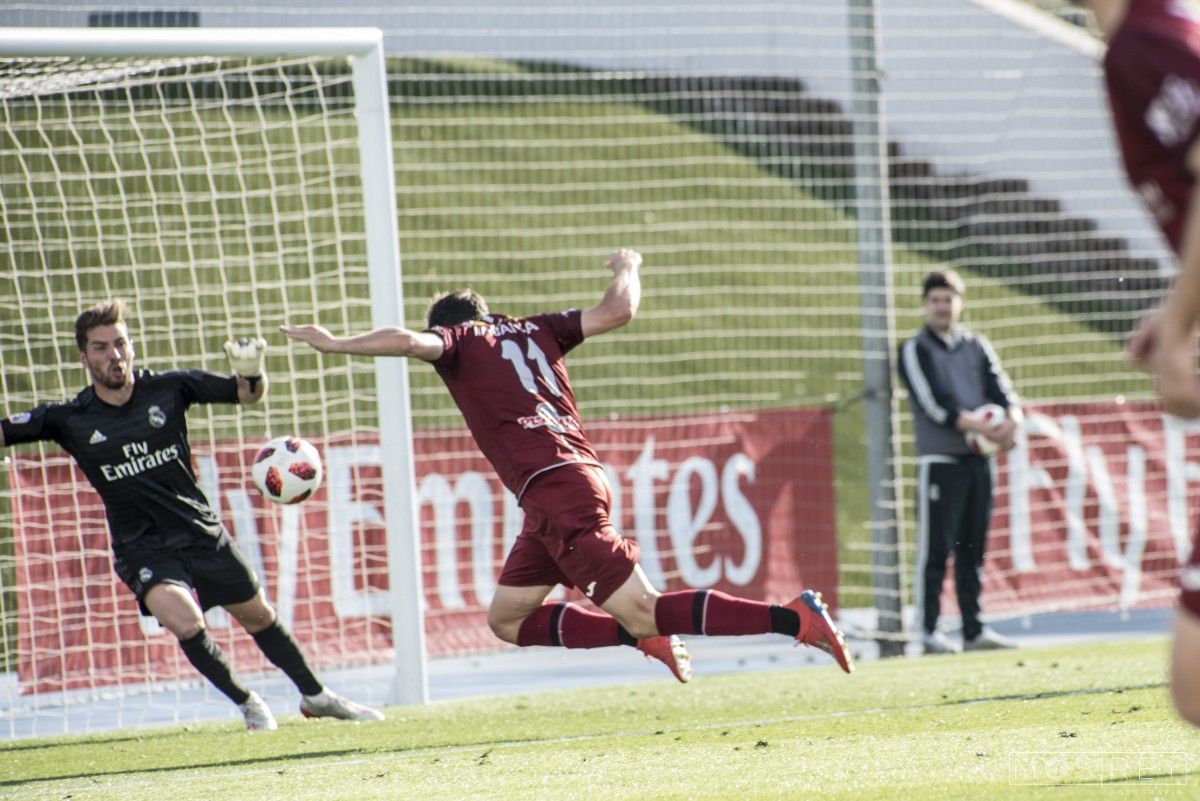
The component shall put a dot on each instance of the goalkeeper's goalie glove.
(246, 357)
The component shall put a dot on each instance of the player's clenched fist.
(246, 356)
(624, 259)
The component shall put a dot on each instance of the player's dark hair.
(452, 308)
(943, 279)
(107, 312)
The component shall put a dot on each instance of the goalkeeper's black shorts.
(213, 567)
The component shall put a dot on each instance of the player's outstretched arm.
(621, 299)
(246, 358)
(390, 340)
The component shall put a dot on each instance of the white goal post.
(363, 48)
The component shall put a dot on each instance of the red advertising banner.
(739, 501)
(1092, 510)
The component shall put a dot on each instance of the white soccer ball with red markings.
(991, 414)
(287, 470)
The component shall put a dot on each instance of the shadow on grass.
(1149, 685)
(1149, 778)
(224, 763)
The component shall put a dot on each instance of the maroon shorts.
(1189, 579)
(567, 538)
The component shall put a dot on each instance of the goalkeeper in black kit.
(127, 431)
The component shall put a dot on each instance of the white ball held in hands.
(246, 355)
(990, 414)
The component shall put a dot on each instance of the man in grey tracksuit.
(950, 371)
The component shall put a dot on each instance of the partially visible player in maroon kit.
(508, 377)
(1152, 69)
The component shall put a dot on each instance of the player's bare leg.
(175, 609)
(254, 615)
(179, 613)
(259, 620)
(1185, 655)
(632, 604)
(512, 606)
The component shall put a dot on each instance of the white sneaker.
(257, 714)
(938, 643)
(328, 704)
(988, 640)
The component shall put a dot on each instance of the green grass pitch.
(1076, 722)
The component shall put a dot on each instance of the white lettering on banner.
(436, 490)
(616, 510)
(244, 526)
(475, 490)
(149, 626)
(288, 554)
(1023, 478)
(684, 523)
(1110, 512)
(479, 496)
(1076, 492)
(643, 473)
(745, 521)
(1180, 472)
(1089, 467)
(344, 514)
(1136, 483)
(216, 618)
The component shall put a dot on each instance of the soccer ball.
(978, 443)
(287, 470)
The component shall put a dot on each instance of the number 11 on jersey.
(511, 351)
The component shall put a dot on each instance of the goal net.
(219, 195)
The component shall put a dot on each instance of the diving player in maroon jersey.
(509, 380)
(1152, 70)
(127, 431)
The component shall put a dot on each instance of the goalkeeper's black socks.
(277, 644)
(212, 663)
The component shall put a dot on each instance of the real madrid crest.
(157, 418)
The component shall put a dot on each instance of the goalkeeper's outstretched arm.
(390, 340)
